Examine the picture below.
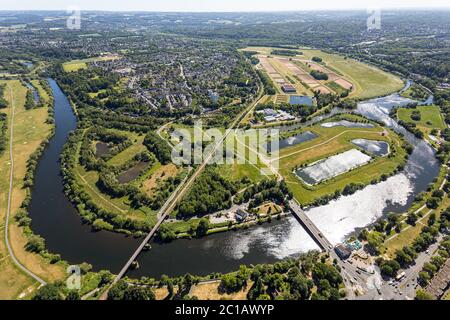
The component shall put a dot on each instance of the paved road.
(184, 186)
(316, 234)
(8, 210)
(353, 278)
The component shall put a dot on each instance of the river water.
(55, 219)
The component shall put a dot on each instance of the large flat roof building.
(287, 88)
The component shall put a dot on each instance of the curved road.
(182, 189)
(8, 210)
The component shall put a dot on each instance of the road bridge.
(310, 227)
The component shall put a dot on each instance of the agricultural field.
(369, 81)
(363, 80)
(75, 65)
(430, 118)
(29, 130)
(331, 141)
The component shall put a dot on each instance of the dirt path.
(99, 195)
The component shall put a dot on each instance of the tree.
(137, 293)
(424, 278)
(412, 218)
(105, 277)
(324, 271)
(85, 267)
(433, 202)
(423, 295)
(35, 244)
(203, 227)
(301, 287)
(389, 268)
(405, 256)
(159, 147)
(73, 295)
(117, 291)
(165, 233)
(48, 292)
(256, 290)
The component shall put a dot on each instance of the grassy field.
(210, 291)
(415, 92)
(409, 233)
(88, 180)
(331, 141)
(43, 95)
(431, 118)
(29, 130)
(235, 171)
(368, 81)
(75, 65)
(130, 152)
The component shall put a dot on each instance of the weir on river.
(58, 222)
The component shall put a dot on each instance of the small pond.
(347, 124)
(101, 148)
(378, 148)
(132, 173)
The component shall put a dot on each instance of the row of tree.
(287, 280)
(406, 256)
(3, 102)
(3, 128)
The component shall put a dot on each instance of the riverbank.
(218, 252)
(30, 131)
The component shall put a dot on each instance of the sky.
(217, 5)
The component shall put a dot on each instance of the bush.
(35, 244)
(47, 292)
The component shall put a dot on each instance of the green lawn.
(88, 180)
(75, 65)
(369, 81)
(130, 152)
(331, 141)
(43, 95)
(430, 117)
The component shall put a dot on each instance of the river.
(55, 219)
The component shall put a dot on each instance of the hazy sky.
(215, 5)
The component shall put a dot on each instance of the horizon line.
(243, 11)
